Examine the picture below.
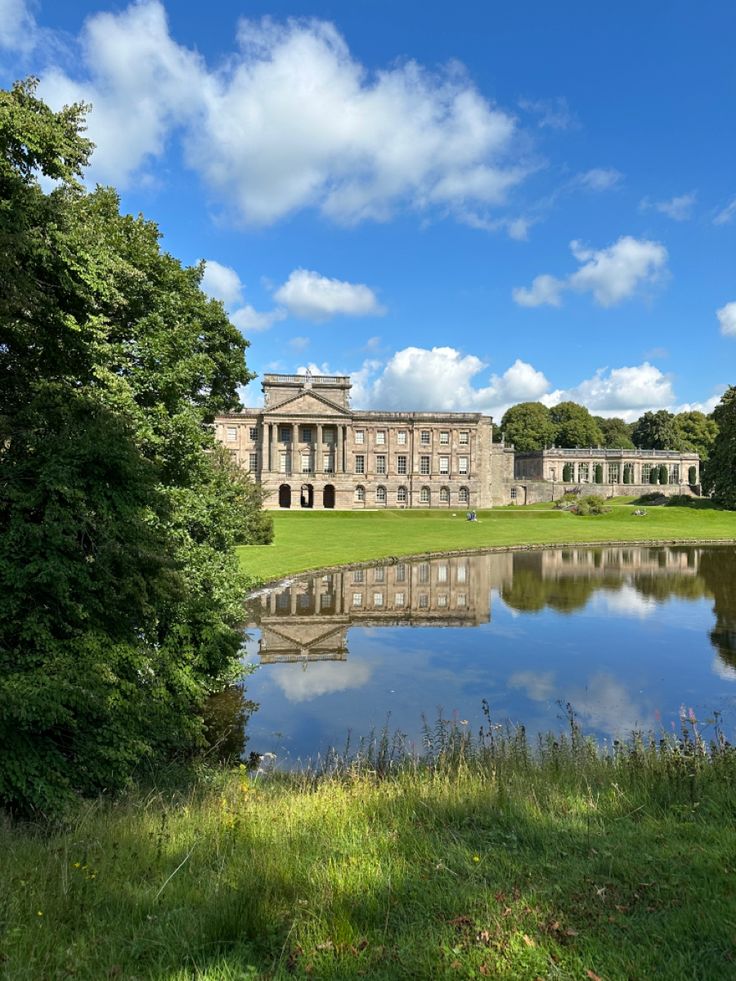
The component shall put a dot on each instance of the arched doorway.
(328, 496)
(284, 496)
(307, 496)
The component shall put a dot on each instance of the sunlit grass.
(495, 863)
(316, 539)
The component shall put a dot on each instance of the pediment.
(308, 404)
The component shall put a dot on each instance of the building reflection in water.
(308, 619)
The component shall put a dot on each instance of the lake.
(630, 637)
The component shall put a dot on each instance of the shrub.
(592, 504)
(663, 474)
(598, 473)
(567, 473)
(692, 476)
(654, 475)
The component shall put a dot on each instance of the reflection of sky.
(624, 661)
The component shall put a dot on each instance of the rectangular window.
(442, 573)
(674, 473)
(444, 437)
(380, 463)
(306, 462)
(284, 434)
(359, 463)
(444, 464)
(462, 464)
(328, 463)
(463, 437)
(513, 493)
(306, 434)
(583, 473)
(646, 472)
(253, 432)
(401, 437)
(358, 576)
(423, 601)
(232, 434)
(328, 436)
(357, 599)
(461, 599)
(401, 464)
(425, 437)
(400, 572)
(399, 599)
(614, 473)
(378, 599)
(284, 463)
(253, 461)
(442, 600)
(424, 572)
(359, 436)
(325, 601)
(424, 465)
(462, 572)
(380, 437)
(379, 575)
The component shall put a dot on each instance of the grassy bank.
(316, 539)
(486, 864)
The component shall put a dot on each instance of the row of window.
(425, 437)
(423, 574)
(585, 472)
(441, 600)
(306, 434)
(402, 495)
(402, 464)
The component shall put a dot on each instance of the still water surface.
(628, 636)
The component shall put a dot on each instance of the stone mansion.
(309, 449)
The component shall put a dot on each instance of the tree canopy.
(616, 433)
(695, 433)
(574, 425)
(719, 475)
(120, 592)
(655, 431)
(528, 426)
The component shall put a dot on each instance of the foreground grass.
(316, 539)
(478, 864)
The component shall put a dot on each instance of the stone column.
(295, 468)
(274, 432)
(339, 450)
(318, 452)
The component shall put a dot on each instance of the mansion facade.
(309, 449)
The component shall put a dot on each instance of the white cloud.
(626, 602)
(612, 274)
(290, 120)
(727, 319)
(248, 319)
(678, 208)
(727, 214)
(311, 296)
(620, 391)
(17, 26)
(303, 682)
(545, 289)
(141, 83)
(599, 179)
(539, 686)
(222, 283)
(553, 113)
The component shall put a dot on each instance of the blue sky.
(463, 206)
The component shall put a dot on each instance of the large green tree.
(655, 431)
(120, 593)
(528, 426)
(616, 433)
(719, 475)
(574, 425)
(695, 432)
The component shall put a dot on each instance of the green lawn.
(573, 867)
(315, 539)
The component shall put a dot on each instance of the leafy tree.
(695, 433)
(655, 431)
(120, 593)
(598, 473)
(663, 474)
(528, 426)
(574, 425)
(567, 472)
(692, 475)
(616, 433)
(654, 475)
(719, 474)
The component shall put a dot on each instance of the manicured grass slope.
(315, 539)
(572, 869)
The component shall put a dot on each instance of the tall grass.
(480, 855)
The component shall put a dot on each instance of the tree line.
(120, 591)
